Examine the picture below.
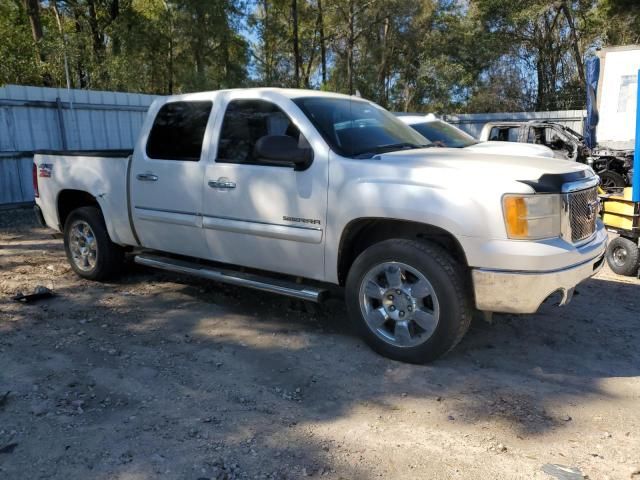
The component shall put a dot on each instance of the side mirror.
(283, 149)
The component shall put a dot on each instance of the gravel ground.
(160, 376)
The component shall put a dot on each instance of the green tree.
(619, 21)
(443, 56)
(19, 63)
(549, 38)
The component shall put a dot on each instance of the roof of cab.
(284, 92)
(412, 119)
(515, 123)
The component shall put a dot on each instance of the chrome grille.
(584, 207)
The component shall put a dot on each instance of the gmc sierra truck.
(296, 192)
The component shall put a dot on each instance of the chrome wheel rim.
(399, 304)
(619, 256)
(83, 246)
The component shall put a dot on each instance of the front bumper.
(524, 292)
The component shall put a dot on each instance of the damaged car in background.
(613, 166)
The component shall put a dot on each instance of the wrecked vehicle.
(446, 135)
(296, 192)
(613, 166)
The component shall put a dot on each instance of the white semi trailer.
(617, 97)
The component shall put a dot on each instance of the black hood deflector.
(552, 182)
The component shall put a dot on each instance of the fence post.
(63, 134)
(635, 183)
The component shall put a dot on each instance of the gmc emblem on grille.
(592, 209)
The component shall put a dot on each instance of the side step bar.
(242, 279)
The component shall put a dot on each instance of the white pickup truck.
(296, 192)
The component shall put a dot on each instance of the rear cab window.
(504, 134)
(178, 131)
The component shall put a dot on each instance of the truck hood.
(512, 148)
(451, 165)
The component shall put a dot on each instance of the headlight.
(532, 217)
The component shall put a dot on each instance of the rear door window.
(178, 131)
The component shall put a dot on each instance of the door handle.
(222, 183)
(147, 177)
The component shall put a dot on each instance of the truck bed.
(101, 173)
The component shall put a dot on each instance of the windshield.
(571, 131)
(357, 128)
(443, 134)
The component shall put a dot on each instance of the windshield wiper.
(390, 148)
(398, 146)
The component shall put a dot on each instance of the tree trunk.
(80, 67)
(170, 53)
(306, 71)
(575, 46)
(323, 49)
(227, 81)
(382, 70)
(350, 46)
(540, 95)
(296, 46)
(114, 13)
(33, 12)
(266, 44)
(114, 9)
(198, 44)
(199, 65)
(96, 34)
(408, 97)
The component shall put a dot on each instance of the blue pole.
(635, 183)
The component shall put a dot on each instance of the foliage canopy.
(422, 55)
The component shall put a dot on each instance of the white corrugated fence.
(34, 118)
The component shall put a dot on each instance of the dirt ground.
(160, 376)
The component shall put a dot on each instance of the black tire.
(623, 256)
(612, 181)
(109, 257)
(447, 279)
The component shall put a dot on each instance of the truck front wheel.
(90, 251)
(409, 300)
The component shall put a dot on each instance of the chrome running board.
(242, 279)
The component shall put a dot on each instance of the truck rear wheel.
(90, 251)
(623, 256)
(409, 300)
